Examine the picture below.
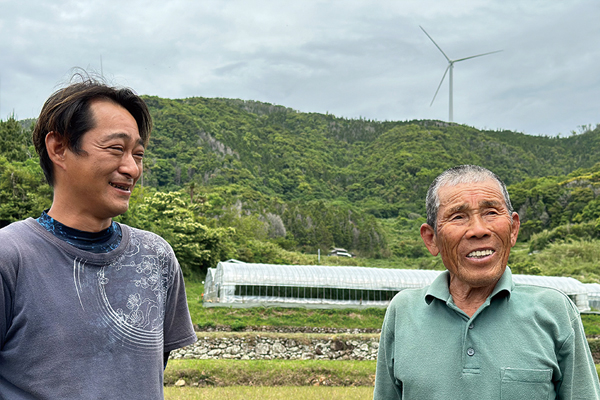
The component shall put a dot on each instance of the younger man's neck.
(78, 221)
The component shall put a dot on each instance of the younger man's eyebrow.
(112, 136)
(121, 135)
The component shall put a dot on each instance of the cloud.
(351, 58)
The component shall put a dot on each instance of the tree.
(196, 246)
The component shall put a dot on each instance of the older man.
(89, 308)
(474, 333)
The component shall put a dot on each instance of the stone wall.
(257, 347)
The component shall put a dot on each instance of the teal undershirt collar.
(95, 242)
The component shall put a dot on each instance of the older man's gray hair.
(455, 176)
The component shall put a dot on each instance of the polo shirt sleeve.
(387, 386)
(579, 376)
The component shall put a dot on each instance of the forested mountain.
(302, 181)
(382, 167)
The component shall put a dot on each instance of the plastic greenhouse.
(237, 284)
(593, 290)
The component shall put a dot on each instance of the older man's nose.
(478, 227)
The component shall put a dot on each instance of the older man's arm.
(386, 385)
(579, 378)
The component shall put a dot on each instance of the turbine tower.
(451, 68)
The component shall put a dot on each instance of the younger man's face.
(101, 177)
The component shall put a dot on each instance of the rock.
(337, 345)
(234, 349)
(214, 352)
(262, 348)
(180, 383)
(278, 347)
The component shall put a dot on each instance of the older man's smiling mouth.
(480, 253)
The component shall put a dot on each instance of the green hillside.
(259, 182)
(383, 167)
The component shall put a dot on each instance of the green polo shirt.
(525, 342)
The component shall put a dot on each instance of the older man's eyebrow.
(459, 208)
(490, 203)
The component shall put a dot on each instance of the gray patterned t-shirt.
(81, 325)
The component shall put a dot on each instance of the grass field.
(270, 379)
(225, 373)
(276, 316)
(269, 393)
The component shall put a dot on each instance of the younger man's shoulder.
(145, 237)
(17, 231)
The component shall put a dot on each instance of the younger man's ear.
(428, 236)
(56, 147)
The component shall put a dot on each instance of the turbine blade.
(440, 85)
(478, 55)
(436, 45)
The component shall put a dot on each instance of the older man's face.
(475, 232)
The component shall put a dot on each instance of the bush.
(585, 230)
(238, 326)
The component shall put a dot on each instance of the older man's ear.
(516, 224)
(428, 236)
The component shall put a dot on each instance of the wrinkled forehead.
(484, 193)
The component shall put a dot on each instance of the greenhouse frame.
(237, 284)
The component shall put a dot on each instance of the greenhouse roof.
(592, 288)
(233, 272)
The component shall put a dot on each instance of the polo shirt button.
(471, 326)
(470, 352)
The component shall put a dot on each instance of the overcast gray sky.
(351, 58)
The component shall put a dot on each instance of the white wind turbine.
(451, 68)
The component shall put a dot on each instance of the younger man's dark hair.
(67, 113)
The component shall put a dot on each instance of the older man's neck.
(467, 298)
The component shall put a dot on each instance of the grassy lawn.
(591, 324)
(225, 373)
(276, 316)
(269, 393)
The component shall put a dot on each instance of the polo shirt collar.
(439, 287)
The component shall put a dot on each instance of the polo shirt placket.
(471, 347)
